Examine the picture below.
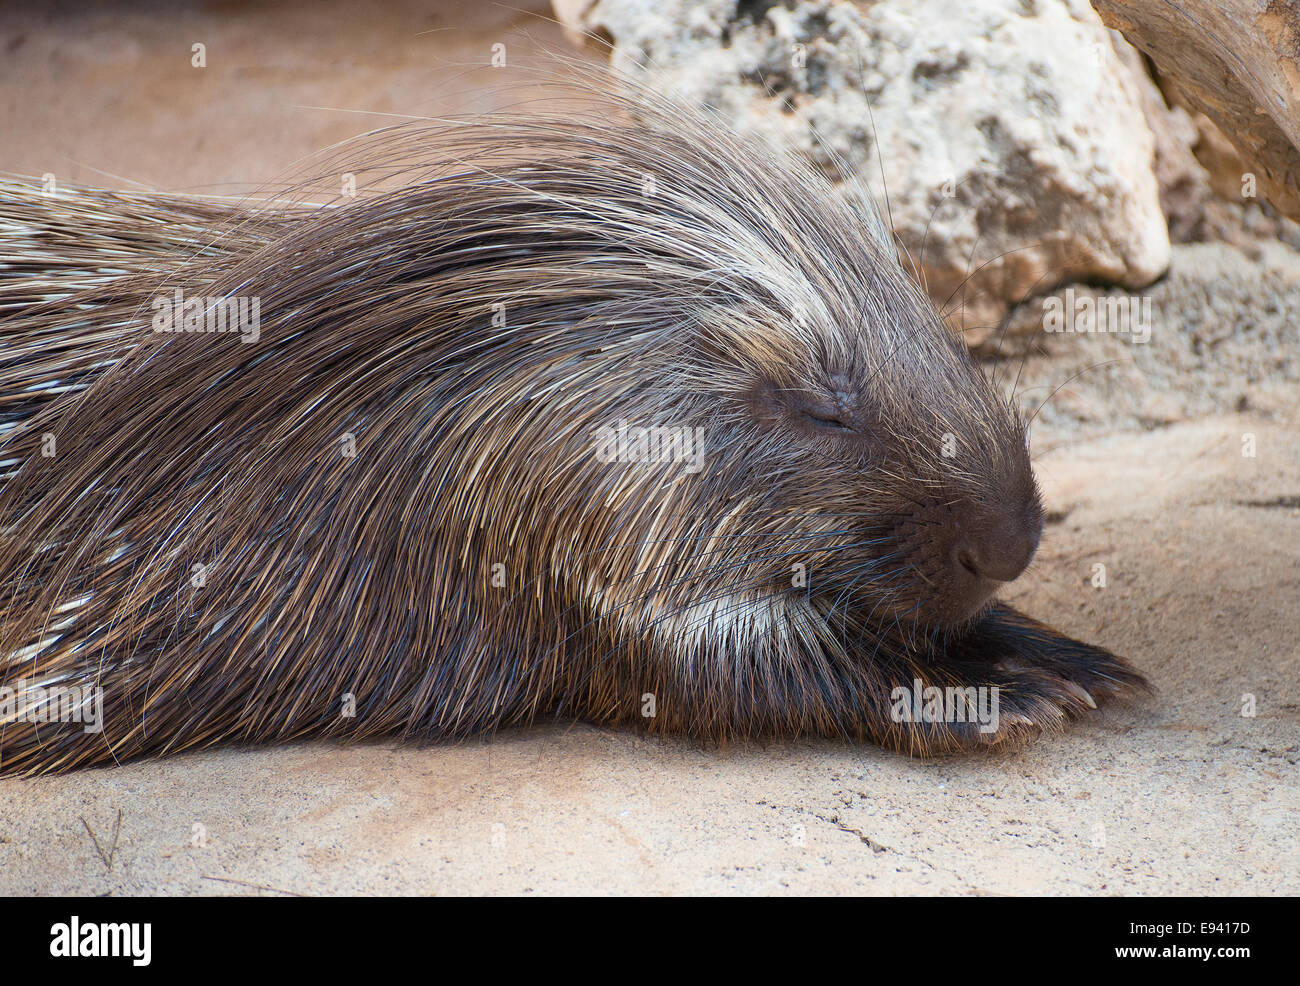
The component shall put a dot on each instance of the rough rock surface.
(1200, 172)
(1238, 62)
(1010, 133)
(1219, 337)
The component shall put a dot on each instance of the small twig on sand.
(107, 857)
(255, 886)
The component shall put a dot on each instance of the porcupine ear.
(1007, 639)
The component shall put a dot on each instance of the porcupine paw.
(1028, 678)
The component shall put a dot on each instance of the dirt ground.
(1181, 794)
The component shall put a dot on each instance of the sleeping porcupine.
(386, 511)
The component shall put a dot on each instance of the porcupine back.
(325, 574)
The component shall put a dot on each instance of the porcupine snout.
(993, 544)
(965, 551)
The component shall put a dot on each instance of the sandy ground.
(1182, 794)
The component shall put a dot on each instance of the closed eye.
(827, 421)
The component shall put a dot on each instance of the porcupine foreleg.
(1003, 680)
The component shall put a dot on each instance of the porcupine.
(385, 512)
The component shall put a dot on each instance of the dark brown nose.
(996, 545)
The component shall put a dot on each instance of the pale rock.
(1010, 133)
